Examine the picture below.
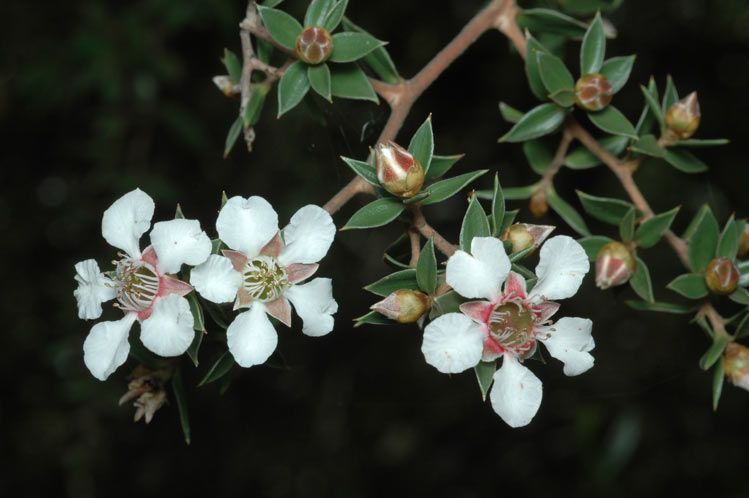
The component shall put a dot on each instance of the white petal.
(106, 347)
(453, 343)
(562, 265)
(315, 305)
(179, 242)
(251, 337)
(216, 279)
(93, 289)
(569, 341)
(307, 236)
(481, 273)
(126, 220)
(516, 393)
(246, 225)
(168, 331)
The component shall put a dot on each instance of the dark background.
(98, 97)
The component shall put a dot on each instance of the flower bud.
(398, 171)
(744, 243)
(404, 306)
(722, 276)
(736, 364)
(524, 235)
(683, 118)
(538, 204)
(593, 92)
(615, 265)
(314, 45)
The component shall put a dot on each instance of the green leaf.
(233, 66)
(612, 121)
(292, 88)
(684, 161)
(364, 170)
(566, 212)
(378, 60)
(255, 104)
(605, 209)
(627, 225)
(350, 46)
(593, 48)
(728, 244)
(554, 73)
(232, 136)
(537, 122)
(662, 307)
(317, 11)
(198, 326)
(651, 100)
(426, 268)
(271, 3)
(178, 214)
(179, 397)
(538, 155)
(696, 222)
(617, 70)
(439, 165)
(715, 351)
(650, 231)
(422, 144)
(702, 142)
(335, 16)
(689, 285)
(446, 303)
(485, 375)
(319, 80)
(349, 82)
(648, 145)
(375, 214)
(372, 318)
(404, 279)
(510, 193)
(670, 96)
(216, 246)
(475, 224)
(740, 296)
(564, 97)
(641, 283)
(551, 21)
(445, 189)
(282, 27)
(536, 84)
(719, 375)
(593, 245)
(742, 329)
(507, 220)
(220, 367)
(509, 113)
(704, 242)
(582, 158)
(498, 207)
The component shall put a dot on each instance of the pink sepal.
(238, 260)
(478, 311)
(280, 309)
(299, 271)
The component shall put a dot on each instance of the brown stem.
(425, 229)
(558, 161)
(413, 235)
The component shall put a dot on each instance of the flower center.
(265, 279)
(137, 284)
(511, 326)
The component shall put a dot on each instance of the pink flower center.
(511, 328)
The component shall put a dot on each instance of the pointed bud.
(224, 84)
(593, 92)
(615, 265)
(737, 365)
(524, 235)
(314, 45)
(722, 276)
(398, 171)
(683, 118)
(744, 243)
(404, 306)
(538, 204)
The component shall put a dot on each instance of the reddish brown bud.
(404, 306)
(538, 204)
(593, 92)
(615, 265)
(744, 243)
(398, 171)
(737, 364)
(683, 118)
(314, 45)
(524, 235)
(722, 276)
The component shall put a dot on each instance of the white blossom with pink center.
(263, 273)
(141, 283)
(508, 322)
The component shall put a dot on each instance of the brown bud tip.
(615, 265)
(538, 204)
(737, 364)
(593, 92)
(398, 171)
(314, 45)
(683, 118)
(744, 243)
(404, 306)
(722, 276)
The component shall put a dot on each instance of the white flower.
(509, 322)
(140, 283)
(263, 272)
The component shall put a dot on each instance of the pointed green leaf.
(292, 88)
(475, 224)
(485, 375)
(349, 82)
(536, 84)
(426, 268)
(232, 136)
(704, 242)
(627, 225)
(593, 48)
(696, 222)
(684, 161)
(255, 104)
(372, 318)
(317, 11)
(593, 245)
(375, 214)
(567, 213)
(617, 71)
(538, 155)
(728, 244)
(651, 99)
(319, 80)
(670, 96)
(335, 16)
(612, 121)
(551, 21)
(445, 189)
(641, 283)
(282, 27)
(719, 375)
(498, 207)
(508, 220)
(439, 165)
(564, 97)
(689, 285)
(605, 209)
(509, 113)
(519, 193)
(422, 144)
(179, 397)
(220, 367)
(404, 279)
(364, 170)
(740, 296)
(650, 231)
(536, 123)
(648, 145)
(554, 73)
(662, 307)
(715, 351)
(378, 60)
(233, 66)
(742, 329)
(702, 142)
(582, 158)
(350, 46)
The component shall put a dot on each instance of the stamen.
(265, 279)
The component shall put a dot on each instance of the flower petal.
(246, 225)
(168, 331)
(126, 220)
(516, 394)
(216, 279)
(569, 341)
(307, 236)
(314, 304)
(251, 337)
(453, 343)
(481, 273)
(179, 242)
(93, 289)
(106, 347)
(563, 264)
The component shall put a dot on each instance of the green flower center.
(511, 326)
(265, 279)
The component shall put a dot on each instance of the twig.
(425, 229)
(413, 235)
(558, 161)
